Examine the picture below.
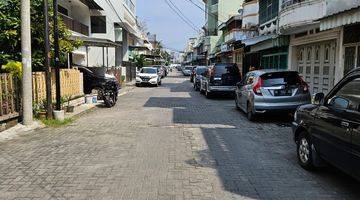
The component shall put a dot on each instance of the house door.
(316, 62)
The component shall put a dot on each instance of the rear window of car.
(280, 78)
(226, 69)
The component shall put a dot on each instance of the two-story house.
(106, 27)
(217, 12)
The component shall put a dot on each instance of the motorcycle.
(106, 85)
(109, 93)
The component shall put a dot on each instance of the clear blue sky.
(161, 20)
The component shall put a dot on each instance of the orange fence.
(71, 84)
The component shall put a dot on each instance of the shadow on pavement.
(254, 160)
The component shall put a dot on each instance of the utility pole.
(26, 63)
(57, 56)
(49, 109)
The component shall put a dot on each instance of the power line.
(177, 8)
(194, 28)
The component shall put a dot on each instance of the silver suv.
(265, 91)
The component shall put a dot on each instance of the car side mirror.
(318, 98)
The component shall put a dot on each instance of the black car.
(95, 78)
(220, 78)
(329, 129)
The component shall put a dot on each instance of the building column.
(339, 71)
(125, 46)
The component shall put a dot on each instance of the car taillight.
(257, 86)
(303, 84)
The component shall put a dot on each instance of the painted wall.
(293, 15)
(250, 14)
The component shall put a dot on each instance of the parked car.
(199, 76)
(107, 85)
(187, 70)
(161, 71)
(192, 74)
(265, 91)
(148, 75)
(329, 129)
(220, 78)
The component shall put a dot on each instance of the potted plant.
(69, 108)
(39, 109)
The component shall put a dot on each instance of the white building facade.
(107, 28)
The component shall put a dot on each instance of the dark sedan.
(329, 129)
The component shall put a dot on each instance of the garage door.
(316, 62)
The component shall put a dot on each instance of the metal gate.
(316, 62)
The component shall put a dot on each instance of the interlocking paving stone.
(165, 143)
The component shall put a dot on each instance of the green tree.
(10, 34)
(140, 61)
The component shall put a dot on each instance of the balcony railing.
(286, 3)
(74, 25)
(130, 5)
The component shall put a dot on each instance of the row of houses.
(318, 38)
(109, 30)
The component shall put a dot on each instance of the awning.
(92, 4)
(80, 53)
(129, 28)
(255, 40)
(97, 42)
(139, 48)
(343, 18)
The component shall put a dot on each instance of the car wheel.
(208, 94)
(304, 152)
(237, 102)
(250, 113)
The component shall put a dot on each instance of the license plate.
(282, 92)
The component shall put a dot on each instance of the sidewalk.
(20, 129)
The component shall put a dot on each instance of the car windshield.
(226, 69)
(188, 68)
(148, 70)
(280, 78)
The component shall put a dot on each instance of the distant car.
(161, 70)
(148, 75)
(199, 75)
(187, 70)
(265, 91)
(221, 78)
(329, 129)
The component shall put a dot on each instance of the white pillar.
(340, 61)
(26, 63)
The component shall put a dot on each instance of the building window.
(327, 54)
(98, 24)
(268, 9)
(63, 10)
(317, 54)
(308, 59)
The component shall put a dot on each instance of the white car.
(148, 75)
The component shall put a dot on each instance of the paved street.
(165, 143)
